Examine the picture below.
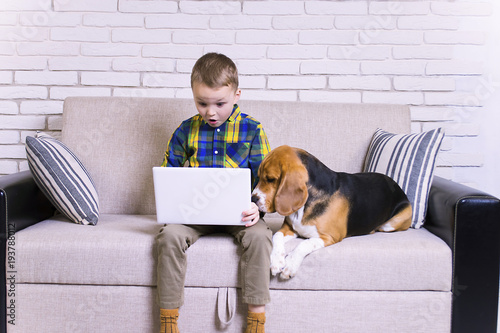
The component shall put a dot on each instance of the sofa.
(61, 276)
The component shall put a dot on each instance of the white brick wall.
(428, 54)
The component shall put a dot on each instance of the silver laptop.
(209, 196)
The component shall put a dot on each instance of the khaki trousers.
(173, 240)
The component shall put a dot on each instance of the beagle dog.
(322, 205)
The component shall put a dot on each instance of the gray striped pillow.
(409, 159)
(63, 179)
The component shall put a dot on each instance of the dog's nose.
(255, 198)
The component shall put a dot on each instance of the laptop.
(201, 196)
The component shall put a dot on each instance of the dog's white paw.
(277, 261)
(292, 264)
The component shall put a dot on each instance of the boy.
(219, 136)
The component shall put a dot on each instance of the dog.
(322, 205)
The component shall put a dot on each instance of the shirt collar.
(235, 114)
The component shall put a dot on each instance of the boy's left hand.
(252, 215)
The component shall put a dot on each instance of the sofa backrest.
(120, 139)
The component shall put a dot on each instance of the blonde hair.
(215, 70)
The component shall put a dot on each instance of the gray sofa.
(76, 278)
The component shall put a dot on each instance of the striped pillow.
(409, 159)
(63, 179)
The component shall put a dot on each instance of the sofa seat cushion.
(120, 251)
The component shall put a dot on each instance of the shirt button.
(218, 130)
(216, 152)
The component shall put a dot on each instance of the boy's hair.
(215, 70)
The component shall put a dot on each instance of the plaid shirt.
(238, 143)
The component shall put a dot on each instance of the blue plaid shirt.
(240, 142)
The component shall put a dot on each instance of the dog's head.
(282, 183)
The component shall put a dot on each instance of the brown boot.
(255, 322)
(168, 321)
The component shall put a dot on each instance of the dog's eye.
(270, 179)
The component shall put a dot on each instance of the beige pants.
(173, 240)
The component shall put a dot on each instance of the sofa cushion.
(63, 179)
(120, 251)
(409, 159)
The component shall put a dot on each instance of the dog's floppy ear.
(292, 191)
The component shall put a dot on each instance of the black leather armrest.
(468, 220)
(21, 203)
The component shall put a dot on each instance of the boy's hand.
(252, 215)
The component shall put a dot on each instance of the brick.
(453, 99)
(455, 129)
(273, 7)
(423, 52)
(454, 67)
(252, 82)
(471, 8)
(8, 19)
(392, 37)
(329, 67)
(48, 48)
(210, 7)
(336, 8)
(25, 5)
(79, 63)
(203, 37)
(8, 107)
(457, 159)
(407, 83)
(329, 37)
(270, 95)
(166, 80)
(12, 151)
(110, 79)
(60, 93)
(143, 65)
(46, 78)
(144, 92)
(111, 49)
(6, 77)
(294, 52)
(427, 113)
(148, 6)
(413, 98)
(428, 23)
(22, 122)
(173, 51)
(402, 67)
(15, 92)
(330, 96)
(81, 34)
(266, 37)
(41, 107)
(359, 82)
(296, 82)
(237, 52)
(365, 22)
(23, 34)
(7, 48)
(113, 20)
(185, 66)
(50, 19)
(238, 22)
(177, 21)
(86, 6)
(360, 52)
(399, 8)
(8, 167)
(303, 22)
(141, 36)
(54, 123)
(9, 137)
(264, 67)
(455, 37)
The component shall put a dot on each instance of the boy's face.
(215, 104)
